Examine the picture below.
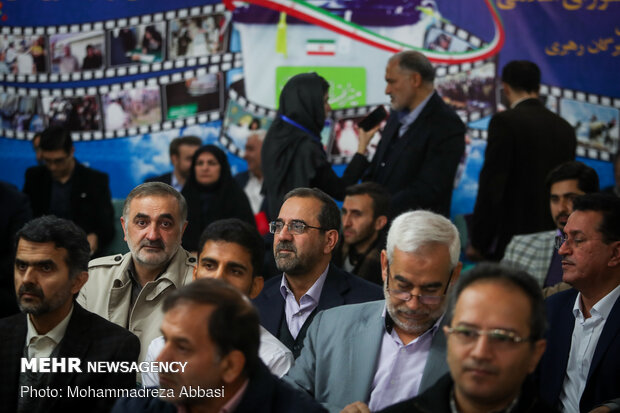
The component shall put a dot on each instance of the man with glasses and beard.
(382, 352)
(305, 235)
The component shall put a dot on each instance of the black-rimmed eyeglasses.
(424, 299)
(296, 227)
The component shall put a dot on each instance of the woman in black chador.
(211, 194)
(292, 154)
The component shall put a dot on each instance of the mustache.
(31, 289)
(476, 365)
(562, 215)
(408, 311)
(286, 245)
(156, 244)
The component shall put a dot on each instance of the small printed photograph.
(345, 139)
(137, 44)
(21, 113)
(199, 36)
(470, 91)
(240, 123)
(596, 126)
(75, 52)
(131, 108)
(442, 41)
(193, 96)
(22, 55)
(76, 114)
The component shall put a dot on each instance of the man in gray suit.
(364, 357)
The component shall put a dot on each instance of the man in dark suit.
(51, 263)
(305, 235)
(525, 143)
(181, 153)
(422, 142)
(68, 189)
(252, 180)
(213, 328)
(583, 369)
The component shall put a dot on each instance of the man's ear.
(232, 366)
(614, 260)
(257, 286)
(331, 237)
(78, 282)
(124, 226)
(184, 226)
(380, 222)
(384, 264)
(537, 352)
(416, 79)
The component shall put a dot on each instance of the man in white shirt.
(233, 251)
(582, 370)
(252, 180)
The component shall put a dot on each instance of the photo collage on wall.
(98, 53)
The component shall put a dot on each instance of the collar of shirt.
(312, 295)
(233, 403)
(55, 334)
(407, 118)
(174, 182)
(508, 409)
(599, 310)
(389, 328)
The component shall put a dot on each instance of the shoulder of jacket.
(110, 260)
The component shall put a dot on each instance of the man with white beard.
(381, 352)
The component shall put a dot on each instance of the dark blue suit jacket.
(603, 383)
(340, 288)
(265, 393)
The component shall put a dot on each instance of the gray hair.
(414, 229)
(412, 61)
(156, 189)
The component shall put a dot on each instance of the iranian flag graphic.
(321, 47)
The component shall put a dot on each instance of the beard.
(409, 326)
(290, 262)
(43, 305)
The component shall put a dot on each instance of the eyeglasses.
(296, 227)
(498, 338)
(570, 242)
(424, 299)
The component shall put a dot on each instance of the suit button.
(192, 259)
(382, 164)
(118, 258)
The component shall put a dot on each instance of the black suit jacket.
(88, 337)
(524, 145)
(603, 382)
(165, 178)
(265, 393)
(91, 201)
(340, 288)
(419, 170)
(242, 179)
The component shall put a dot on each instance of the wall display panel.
(193, 96)
(76, 52)
(77, 114)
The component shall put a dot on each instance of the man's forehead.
(187, 320)
(226, 251)
(304, 209)
(428, 264)
(565, 186)
(361, 201)
(39, 251)
(583, 221)
(154, 206)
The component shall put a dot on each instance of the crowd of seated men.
(362, 308)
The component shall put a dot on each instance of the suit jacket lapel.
(610, 331)
(273, 313)
(411, 136)
(436, 365)
(74, 344)
(334, 289)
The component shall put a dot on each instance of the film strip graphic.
(249, 107)
(602, 140)
(156, 84)
(105, 28)
(338, 116)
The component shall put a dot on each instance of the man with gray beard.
(305, 235)
(129, 289)
(382, 352)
